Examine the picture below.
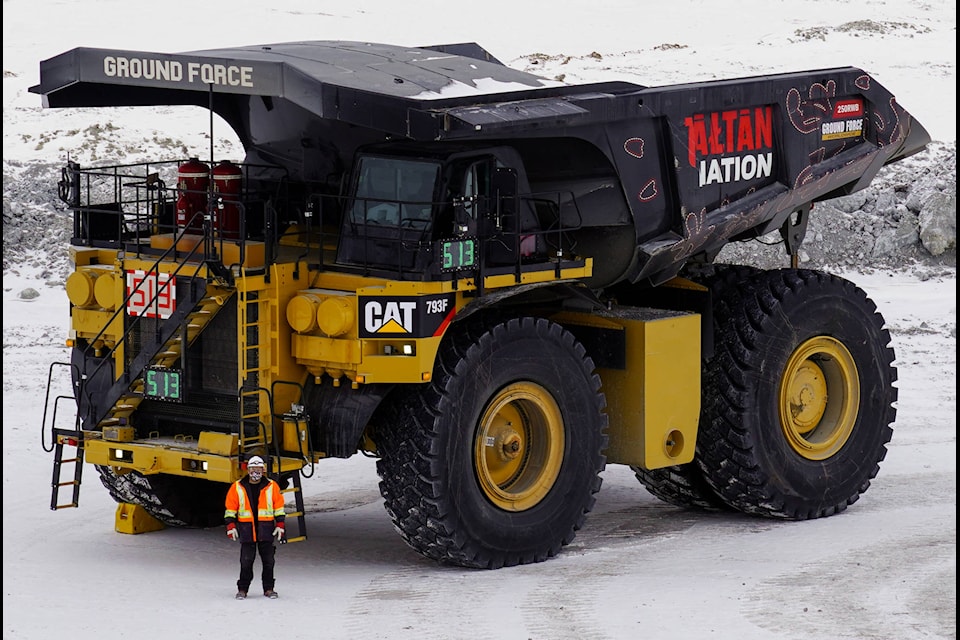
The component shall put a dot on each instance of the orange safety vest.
(269, 510)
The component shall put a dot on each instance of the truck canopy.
(393, 90)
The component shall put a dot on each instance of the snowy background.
(884, 569)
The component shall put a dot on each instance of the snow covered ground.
(883, 569)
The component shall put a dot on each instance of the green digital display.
(161, 383)
(458, 254)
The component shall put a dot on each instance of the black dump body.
(659, 174)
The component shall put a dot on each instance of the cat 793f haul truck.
(493, 283)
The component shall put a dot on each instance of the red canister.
(193, 180)
(227, 181)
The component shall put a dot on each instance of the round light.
(79, 287)
(335, 316)
(105, 291)
(302, 312)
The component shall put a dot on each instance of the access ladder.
(299, 514)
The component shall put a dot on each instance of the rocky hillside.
(908, 215)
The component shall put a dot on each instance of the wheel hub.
(808, 396)
(819, 398)
(519, 446)
(511, 446)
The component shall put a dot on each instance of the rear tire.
(496, 462)
(681, 485)
(176, 501)
(684, 485)
(799, 399)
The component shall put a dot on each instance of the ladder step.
(65, 460)
(295, 514)
(64, 484)
(297, 539)
(68, 505)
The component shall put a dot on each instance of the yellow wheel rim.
(819, 398)
(519, 446)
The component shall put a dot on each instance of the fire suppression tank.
(193, 180)
(227, 181)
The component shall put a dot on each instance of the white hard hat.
(256, 461)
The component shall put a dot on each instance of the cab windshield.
(394, 192)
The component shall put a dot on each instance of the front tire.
(800, 397)
(496, 462)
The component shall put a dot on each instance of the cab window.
(394, 192)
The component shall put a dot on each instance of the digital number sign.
(161, 383)
(458, 254)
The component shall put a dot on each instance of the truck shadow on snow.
(352, 526)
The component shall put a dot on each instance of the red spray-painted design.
(649, 191)
(892, 128)
(634, 146)
(806, 114)
(693, 223)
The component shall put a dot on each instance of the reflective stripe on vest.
(243, 511)
(268, 512)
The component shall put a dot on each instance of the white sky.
(908, 46)
(886, 568)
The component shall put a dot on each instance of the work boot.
(270, 593)
(241, 595)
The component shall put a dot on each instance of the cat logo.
(413, 317)
(391, 317)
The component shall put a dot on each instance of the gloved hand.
(279, 531)
(232, 532)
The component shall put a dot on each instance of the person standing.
(254, 515)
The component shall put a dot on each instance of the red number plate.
(151, 295)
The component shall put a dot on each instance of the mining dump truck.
(493, 283)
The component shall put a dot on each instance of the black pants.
(248, 553)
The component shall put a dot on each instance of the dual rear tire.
(798, 400)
